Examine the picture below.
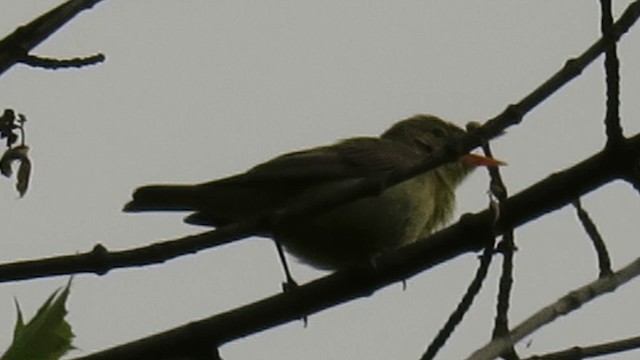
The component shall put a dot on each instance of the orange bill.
(479, 160)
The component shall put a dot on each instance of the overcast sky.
(197, 90)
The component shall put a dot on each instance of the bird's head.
(427, 134)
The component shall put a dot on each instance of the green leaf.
(45, 337)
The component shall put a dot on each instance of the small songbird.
(352, 232)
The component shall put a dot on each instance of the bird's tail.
(163, 198)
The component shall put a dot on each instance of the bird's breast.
(361, 229)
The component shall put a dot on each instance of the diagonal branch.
(565, 305)
(17, 45)
(463, 306)
(580, 353)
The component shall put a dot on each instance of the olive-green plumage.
(351, 232)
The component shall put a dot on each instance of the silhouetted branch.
(612, 71)
(580, 353)
(463, 306)
(507, 247)
(15, 47)
(565, 305)
(571, 69)
(501, 326)
(53, 64)
(604, 262)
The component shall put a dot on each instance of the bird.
(355, 231)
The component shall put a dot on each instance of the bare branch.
(17, 45)
(612, 70)
(54, 64)
(579, 353)
(604, 262)
(507, 247)
(565, 305)
(463, 306)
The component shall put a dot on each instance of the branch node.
(99, 255)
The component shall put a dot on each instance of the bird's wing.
(349, 159)
(272, 184)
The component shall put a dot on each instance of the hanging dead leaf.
(20, 154)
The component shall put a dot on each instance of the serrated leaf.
(19, 322)
(47, 336)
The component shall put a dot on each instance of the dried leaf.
(20, 154)
(24, 171)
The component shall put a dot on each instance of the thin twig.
(563, 306)
(463, 306)
(501, 326)
(580, 353)
(604, 261)
(54, 64)
(507, 248)
(612, 71)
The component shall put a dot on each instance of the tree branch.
(565, 305)
(604, 263)
(19, 44)
(579, 353)
(464, 305)
(612, 71)
(507, 247)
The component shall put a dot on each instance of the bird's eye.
(438, 132)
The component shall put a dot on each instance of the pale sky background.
(196, 90)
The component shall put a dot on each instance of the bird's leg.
(289, 284)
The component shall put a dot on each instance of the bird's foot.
(290, 285)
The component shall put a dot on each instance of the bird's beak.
(479, 160)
